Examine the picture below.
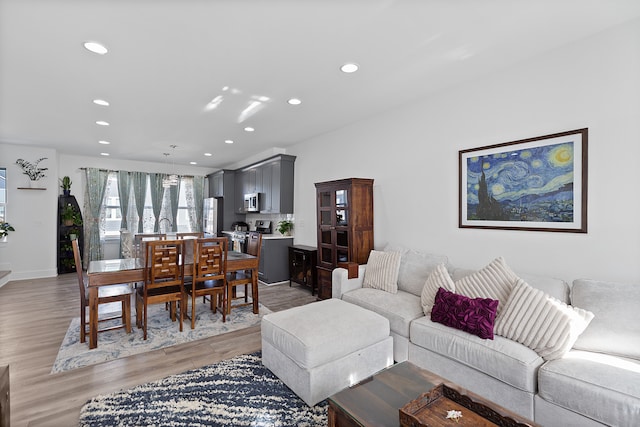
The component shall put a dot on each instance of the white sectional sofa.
(596, 383)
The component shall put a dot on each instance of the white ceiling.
(168, 59)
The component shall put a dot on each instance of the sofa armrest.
(341, 284)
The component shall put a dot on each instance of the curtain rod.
(113, 170)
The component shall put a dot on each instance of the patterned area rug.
(161, 333)
(234, 392)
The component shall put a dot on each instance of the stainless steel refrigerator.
(212, 217)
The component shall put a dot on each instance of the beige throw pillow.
(382, 271)
(493, 281)
(544, 324)
(439, 278)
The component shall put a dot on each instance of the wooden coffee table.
(377, 400)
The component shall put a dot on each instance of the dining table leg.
(254, 290)
(93, 317)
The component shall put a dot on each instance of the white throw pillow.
(382, 271)
(544, 324)
(493, 281)
(439, 278)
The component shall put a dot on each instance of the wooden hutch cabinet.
(345, 226)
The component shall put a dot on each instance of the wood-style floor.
(34, 317)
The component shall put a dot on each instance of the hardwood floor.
(34, 317)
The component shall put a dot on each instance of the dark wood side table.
(377, 401)
(302, 266)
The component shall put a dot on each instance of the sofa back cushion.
(615, 329)
(415, 267)
(557, 288)
(382, 271)
(544, 324)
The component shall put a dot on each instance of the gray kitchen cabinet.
(222, 183)
(274, 260)
(222, 186)
(273, 179)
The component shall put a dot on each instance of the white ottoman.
(321, 348)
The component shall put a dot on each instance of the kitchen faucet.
(165, 219)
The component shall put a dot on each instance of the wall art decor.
(534, 184)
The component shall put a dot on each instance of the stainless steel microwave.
(252, 202)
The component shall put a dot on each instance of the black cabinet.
(222, 186)
(67, 231)
(302, 266)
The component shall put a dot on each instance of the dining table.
(130, 270)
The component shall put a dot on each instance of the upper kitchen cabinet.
(222, 183)
(272, 179)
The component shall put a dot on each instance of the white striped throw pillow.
(382, 271)
(493, 281)
(544, 324)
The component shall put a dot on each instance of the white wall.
(412, 153)
(30, 251)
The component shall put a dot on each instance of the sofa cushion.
(400, 308)
(494, 281)
(415, 267)
(473, 315)
(614, 329)
(501, 358)
(542, 323)
(599, 386)
(382, 271)
(439, 278)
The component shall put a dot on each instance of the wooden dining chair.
(209, 274)
(163, 280)
(240, 278)
(141, 238)
(106, 294)
(194, 235)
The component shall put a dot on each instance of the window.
(111, 215)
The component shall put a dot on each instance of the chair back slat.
(163, 263)
(211, 259)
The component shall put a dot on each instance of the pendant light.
(172, 179)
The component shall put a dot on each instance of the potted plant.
(65, 184)
(68, 215)
(31, 169)
(5, 228)
(285, 226)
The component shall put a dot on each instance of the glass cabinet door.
(334, 233)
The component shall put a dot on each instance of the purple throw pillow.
(475, 315)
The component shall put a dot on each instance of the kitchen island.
(274, 257)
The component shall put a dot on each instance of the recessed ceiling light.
(102, 123)
(228, 141)
(349, 68)
(294, 101)
(193, 163)
(104, 154)
(249, 129)
(208, 154)
(104, 142)
(96, 48)
(101, 102)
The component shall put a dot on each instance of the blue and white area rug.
(161, 333)
(234, 392)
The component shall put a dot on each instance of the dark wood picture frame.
(534, 184)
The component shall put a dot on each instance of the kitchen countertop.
(264, 236)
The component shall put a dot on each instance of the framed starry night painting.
(535, 184)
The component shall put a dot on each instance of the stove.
(263, 226)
